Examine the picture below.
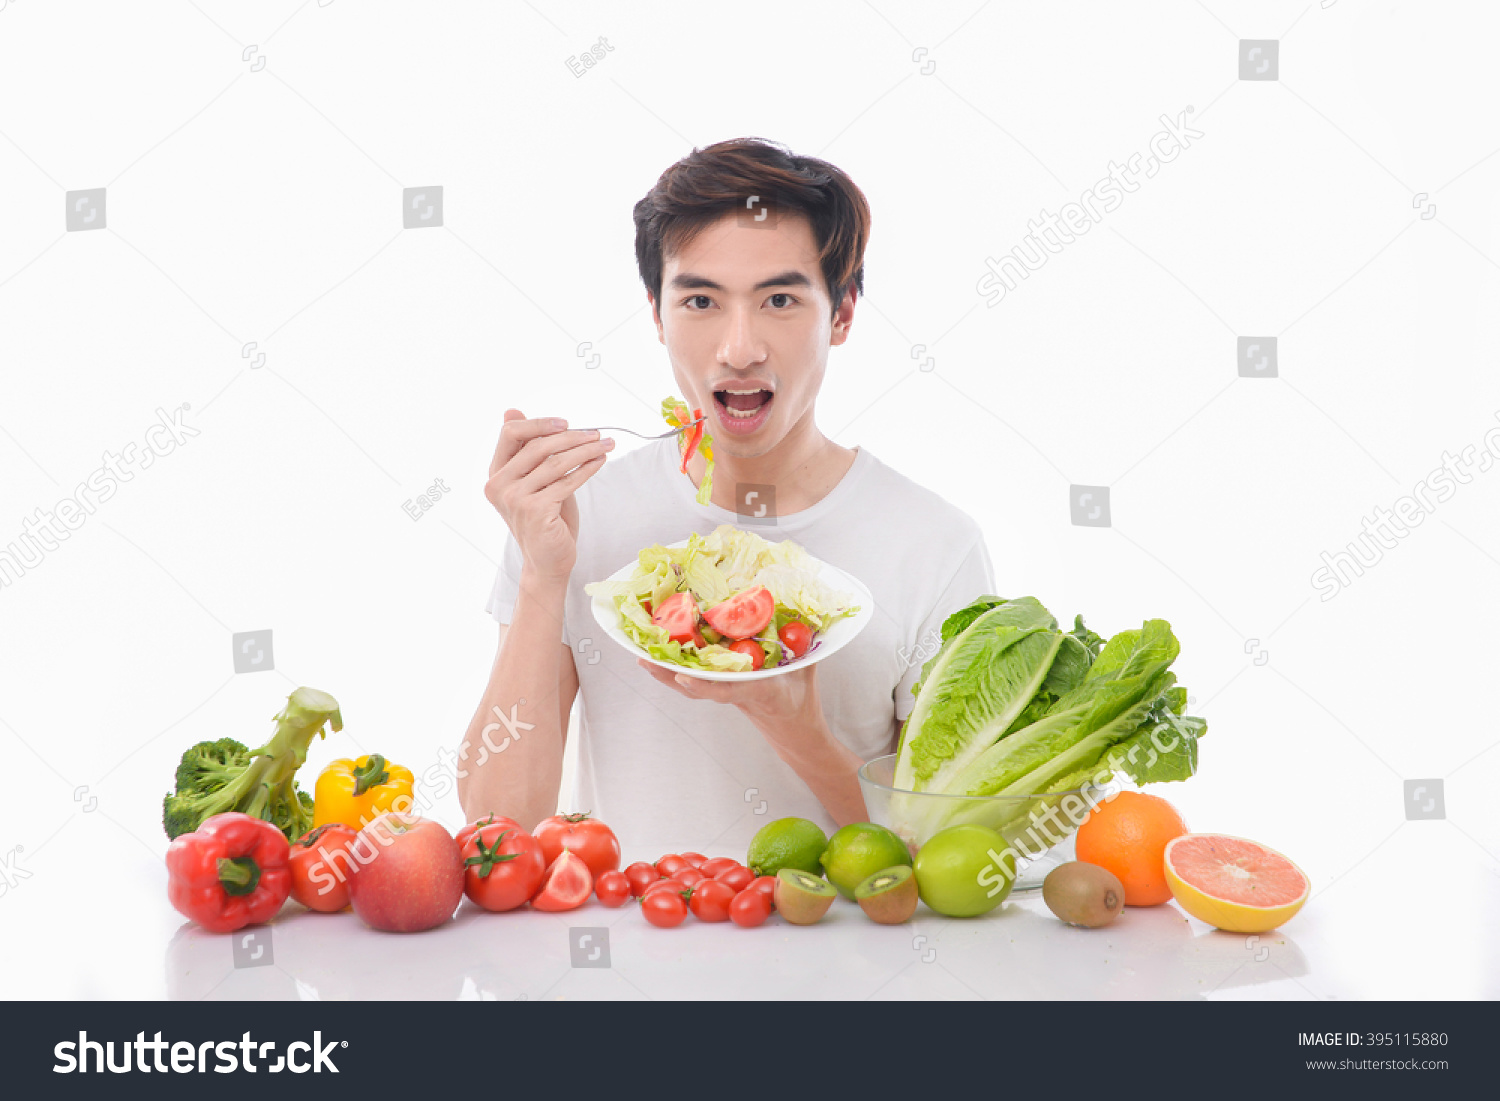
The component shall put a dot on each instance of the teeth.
(742, 415)
(757, 390)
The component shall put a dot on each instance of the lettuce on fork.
(1011, 704)
(713, 568)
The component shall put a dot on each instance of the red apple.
(408, 874)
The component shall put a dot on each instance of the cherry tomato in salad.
(749, 908)
(743, 615)
(710, 900)
(751, 649)
(718, 864)
(671, 864)
(640, 876)
(612, 889)
(796, 636)
(664, 909)
(737, 878)
(695, 860)
(678, 616)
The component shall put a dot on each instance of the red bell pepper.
(691, 439)
(231, 872)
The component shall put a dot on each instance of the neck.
(803, 468)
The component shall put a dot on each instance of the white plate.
(829, 642)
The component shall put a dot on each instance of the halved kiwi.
(802, 898)
(889, 896)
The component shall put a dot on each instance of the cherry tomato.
(588, 837)
(669, 885)
(749, 908)
(710, 900)
(641, 875)
(567, 886)
(766, 885)
(796, 636)
(751, 649)
(678, 616)
(695, 860)
(463, 835)
(503, 866)
(737, 878)
(664, 909)
(671, 864)
(690, 877)
(320, 875)
(718, 864)
(612, 889)
(743, 615)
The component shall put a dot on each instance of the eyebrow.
(690, 281)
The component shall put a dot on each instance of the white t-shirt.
(670, 774)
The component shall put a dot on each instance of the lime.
(858, 851)
(964, 871)
(787, 843)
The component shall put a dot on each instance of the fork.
(633, 432)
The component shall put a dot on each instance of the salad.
(729, 601)
(695, 439)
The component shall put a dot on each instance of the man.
(753, 262)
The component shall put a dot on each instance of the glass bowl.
(1038, 828)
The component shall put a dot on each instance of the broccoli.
(214, 777)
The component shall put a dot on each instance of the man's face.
(747, 323)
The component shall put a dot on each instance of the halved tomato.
(678, 616)
(743, 615)
(567, 885)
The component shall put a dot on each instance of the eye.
(707, 301)
(787, 300)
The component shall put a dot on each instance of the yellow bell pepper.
(355, 791)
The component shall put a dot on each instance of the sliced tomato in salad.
(678, 616)
(743, 615)
(752, 649)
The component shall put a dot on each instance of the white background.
(1347, 209)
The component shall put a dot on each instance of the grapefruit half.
(1237, 885)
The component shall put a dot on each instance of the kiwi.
(1083, 894)
(802, 898)
(889, 896)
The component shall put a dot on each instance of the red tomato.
(678, 616)
(463, 835)
(503, 866)
(671, 864)
(751, 649)
(738, 878)
(718, 864)
(320, 877)
(710, 900)
(766, 885)
(646, 606)
(588, 837)
(612, 889)
(664, 909)
(641, 875)
(796, 636)
(690, 877)
(671, 885)
(567, 886)
(749, 908)
(695, 860)
(743, 615)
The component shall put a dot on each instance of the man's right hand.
(537, 466)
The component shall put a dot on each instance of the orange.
(1127, 836)
(1238, 885)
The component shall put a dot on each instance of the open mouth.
(741, 405)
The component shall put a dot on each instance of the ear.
(843, 318)
(661, 335)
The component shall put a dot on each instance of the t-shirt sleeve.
(502, 603)
(973, 578)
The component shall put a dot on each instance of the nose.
(741, 349)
